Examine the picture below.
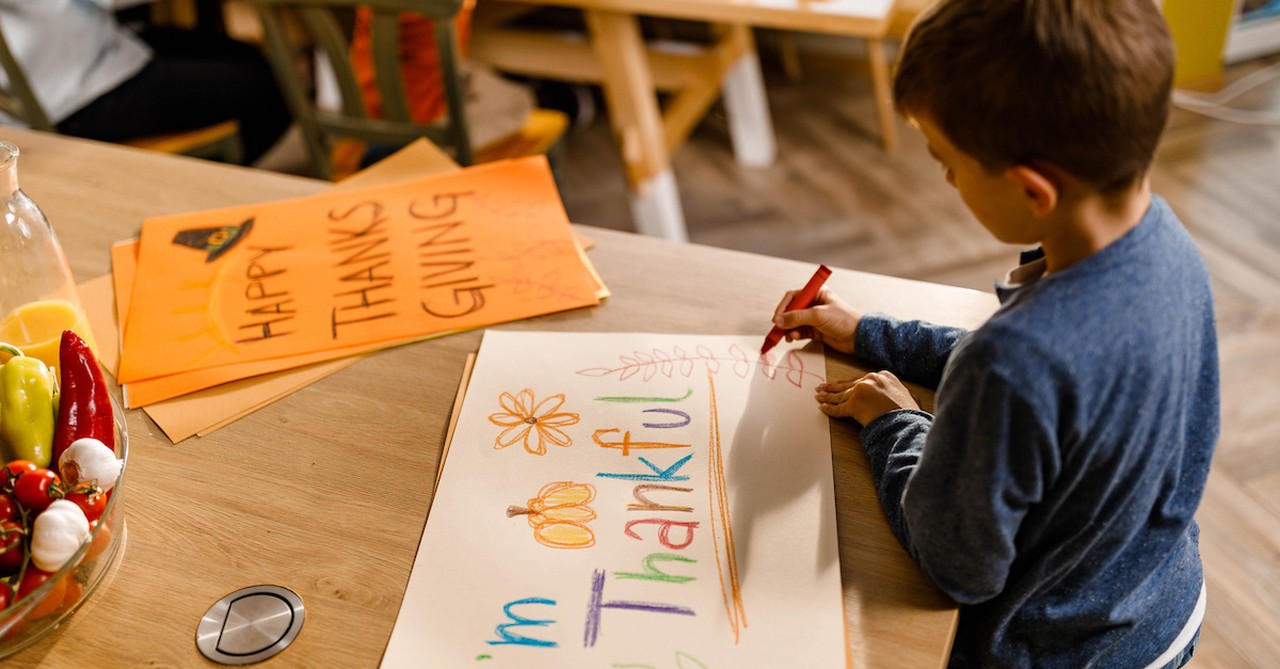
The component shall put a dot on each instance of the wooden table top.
(326, 491)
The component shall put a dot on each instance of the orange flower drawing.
(533, 424)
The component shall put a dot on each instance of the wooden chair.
(221, 140)
(325, 23)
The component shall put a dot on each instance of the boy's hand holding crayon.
(834, 322)
(830, 320)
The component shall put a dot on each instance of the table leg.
(883, 93)
(656, 210)
(637, 122)
(747, 108)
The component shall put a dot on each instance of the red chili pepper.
(84, 409)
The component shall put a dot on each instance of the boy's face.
(996, 200)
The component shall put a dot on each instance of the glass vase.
(38, 297)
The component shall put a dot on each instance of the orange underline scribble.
(722, 525)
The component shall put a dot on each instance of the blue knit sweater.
(1053, 493)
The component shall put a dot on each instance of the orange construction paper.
(149, 392)
(417, 160)
(124, 265)
(334, 274)
(204, 411)
(233, 378)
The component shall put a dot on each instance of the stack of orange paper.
(217, 296)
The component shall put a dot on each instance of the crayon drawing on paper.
(630, 500)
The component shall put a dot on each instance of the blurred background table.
(633, 71)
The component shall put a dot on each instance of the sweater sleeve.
(956, 486)
(914, 350)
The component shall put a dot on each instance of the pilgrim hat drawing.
(214, 241)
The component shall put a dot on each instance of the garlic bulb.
(56, 534)
(88, 459)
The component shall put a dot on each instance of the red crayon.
(801, 301)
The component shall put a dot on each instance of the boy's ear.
(1039, 187)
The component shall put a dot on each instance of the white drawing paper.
(630, 500)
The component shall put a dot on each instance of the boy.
(1052, 494)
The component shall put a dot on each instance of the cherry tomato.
(11, 534)
(93, 504)
(75, 590)
(13, 626)
(101, 539)
(10, 625)
(33, 578)
(12, 471)
(8, 508)
(19, 466)
(34, 488)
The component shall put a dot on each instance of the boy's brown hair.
(1083, 85)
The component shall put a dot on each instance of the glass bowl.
(43, 610)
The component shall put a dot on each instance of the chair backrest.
(16, 97)
(322, 22)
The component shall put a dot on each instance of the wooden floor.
(834, 196)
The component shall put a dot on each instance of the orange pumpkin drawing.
(559, 515)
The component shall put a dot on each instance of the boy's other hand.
(830, 320)
(864, 399)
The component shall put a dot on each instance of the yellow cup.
(37, 327)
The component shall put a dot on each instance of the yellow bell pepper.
(27, 411)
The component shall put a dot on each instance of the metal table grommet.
(250, 625)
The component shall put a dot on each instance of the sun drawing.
(533, 424)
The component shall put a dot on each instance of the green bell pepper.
(27, 411)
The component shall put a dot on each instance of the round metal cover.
(250, 625)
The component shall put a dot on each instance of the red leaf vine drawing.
(677, 360)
